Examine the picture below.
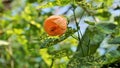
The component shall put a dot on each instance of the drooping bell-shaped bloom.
(55, 25)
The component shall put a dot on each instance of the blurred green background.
(25, 44)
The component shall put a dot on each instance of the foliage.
(25, 44)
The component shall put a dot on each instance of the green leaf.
(117, 19)
(112, 57)
(107, 28)
(89, 22)
(93, 36)
(115, 41)
(89, 43)
(60, 53)
(103, 14)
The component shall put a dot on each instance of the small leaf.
(89, 22)
(117, 19)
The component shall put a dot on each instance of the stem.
(67, 10)
(79, 21)
(88, 47)
(78, 28)
(82, 15)
(52, 63)
(77, 25)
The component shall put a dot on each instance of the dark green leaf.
(112, 59)
(89, 43)
(89, 22)
(106, 27)
(115, 41)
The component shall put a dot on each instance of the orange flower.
(55, 25)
